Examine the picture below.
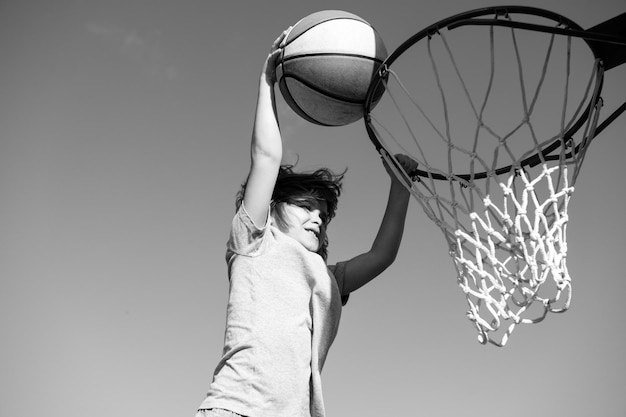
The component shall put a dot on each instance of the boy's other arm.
(367, 266)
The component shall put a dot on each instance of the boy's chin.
(313, 247)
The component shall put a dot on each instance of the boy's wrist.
(397, 187)
(265, 86)
(264, 78)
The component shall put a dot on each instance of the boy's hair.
(298, 187)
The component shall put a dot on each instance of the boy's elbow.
(260, 155)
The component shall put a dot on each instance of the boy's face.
(306, 222)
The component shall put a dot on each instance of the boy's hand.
(408, 165)
(269, 69)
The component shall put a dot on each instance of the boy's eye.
(307, 205)
(303, 204)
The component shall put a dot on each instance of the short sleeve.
(339, 272)
(246, 238)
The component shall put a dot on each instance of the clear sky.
(124, 135)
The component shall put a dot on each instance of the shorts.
(217, 412)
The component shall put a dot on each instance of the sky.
(124, 136)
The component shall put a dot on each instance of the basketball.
(326, 66)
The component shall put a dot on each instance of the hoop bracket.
(612, 55)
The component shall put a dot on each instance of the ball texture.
(326, 65)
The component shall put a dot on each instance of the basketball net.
(502, 207)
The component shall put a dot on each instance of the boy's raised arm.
(266, 146)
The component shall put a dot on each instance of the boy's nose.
(315, 217)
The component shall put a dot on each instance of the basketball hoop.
(498, 106)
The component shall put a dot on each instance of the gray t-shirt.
(283, 313)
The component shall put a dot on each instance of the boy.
(284, 301)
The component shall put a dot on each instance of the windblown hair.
(298, 187)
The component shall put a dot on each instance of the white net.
(509, 257)
(488, 115)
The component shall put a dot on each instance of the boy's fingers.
(406, 163)
(277, 44)
(409, 165)
(282, 37)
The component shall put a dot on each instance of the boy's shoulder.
(246, 237)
